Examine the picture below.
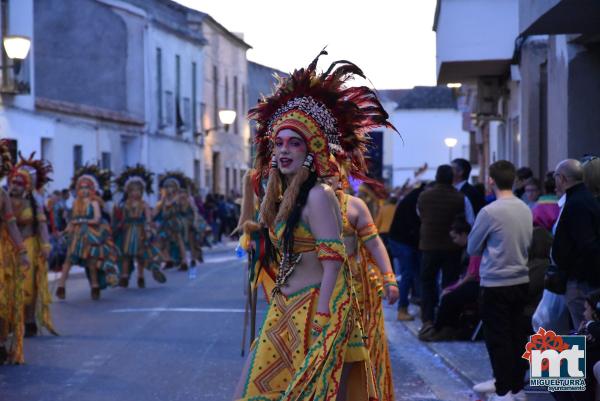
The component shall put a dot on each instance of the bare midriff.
(308, 272)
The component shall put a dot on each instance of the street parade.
(316, 201)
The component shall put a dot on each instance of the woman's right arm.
(325, 220)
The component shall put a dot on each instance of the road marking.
(185, 310)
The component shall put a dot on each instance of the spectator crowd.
(499, 261)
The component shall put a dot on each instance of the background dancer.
(90, 239)
(13, 262)
(27, 177)
(169, 213)
(133, 231)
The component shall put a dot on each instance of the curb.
(447, 361)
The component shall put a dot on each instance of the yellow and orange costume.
(368, 285)
(300, 354)
(33, 175)
(13, 256)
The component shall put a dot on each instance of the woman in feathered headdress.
(311, 342)
(90, 238)
(13, 263)
(133, 229)
(26, 178)
(169, 212)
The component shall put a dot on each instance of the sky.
(390, 40)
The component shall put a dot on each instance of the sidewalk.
(468, 359)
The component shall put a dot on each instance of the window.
(194, 124)
(227, 181)
(186, 113)
(226, 92)
(159, 92)
(215, 95)
(46, 147)
(178, 112)
(196, 171)
(169, 106)
(105, 163)
(77, 157)
(235, 181)
(235, 105)
(201, 112)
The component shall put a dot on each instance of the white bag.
(552, 314)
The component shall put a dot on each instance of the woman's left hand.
(392, 294)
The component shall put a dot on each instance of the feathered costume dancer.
(367, 262)
(89, 236)
(132, 227)
(194, 222)
(26, 181)
(14, 263)
(170, 212)
(301, 352)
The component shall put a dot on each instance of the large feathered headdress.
(92, 174)
(136, 174)
(332, 117)
(176, 177)
(35, 172)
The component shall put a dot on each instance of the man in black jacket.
(462, 170)
(576, 245)
(403, 241)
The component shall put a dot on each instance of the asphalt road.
(177, 341)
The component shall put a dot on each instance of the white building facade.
(425, 117)
(122, 85)
(226, 148)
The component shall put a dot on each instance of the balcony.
(474, 38)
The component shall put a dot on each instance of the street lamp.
(17, 47)
(226, 117)
(450, 142)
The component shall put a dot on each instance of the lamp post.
(450, 142)
(15, 48)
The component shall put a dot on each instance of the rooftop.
(420, 97)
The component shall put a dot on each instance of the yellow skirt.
(35, 287)
(11, 299)
(367, 284)
(288, 363)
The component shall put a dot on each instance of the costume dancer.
(170, 212)
(90, 242)
(311, 345)
(373, 277)
(26, 180)
(194, 222)
(133, 231)
(14, 262)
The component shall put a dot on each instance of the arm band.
(367, 233)
(330, 249)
